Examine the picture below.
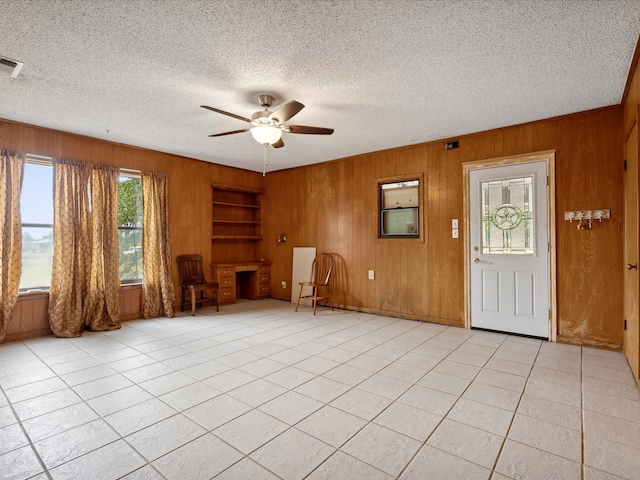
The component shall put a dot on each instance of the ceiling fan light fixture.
(266, 135)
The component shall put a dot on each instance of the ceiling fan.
(267, 127)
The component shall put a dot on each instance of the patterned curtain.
(158, 294)
(11, 170)
(82, 266)
(102, 305)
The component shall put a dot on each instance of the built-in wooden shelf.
(240, 205)
(238, 222)
(236, 213)
(236, 237)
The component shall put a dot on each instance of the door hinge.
(625, 165)
(549, 314)
(625, 325)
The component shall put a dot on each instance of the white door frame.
(549, 156)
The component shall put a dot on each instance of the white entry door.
(508, 227)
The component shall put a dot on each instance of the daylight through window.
(36, 209)
(399, 209)
(130, 228)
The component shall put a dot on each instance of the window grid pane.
(36, 210)
(130, 228)
(399, 209)
(507, 216)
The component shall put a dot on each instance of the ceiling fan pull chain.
(264, 154)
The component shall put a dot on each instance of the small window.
(130, 228)
(36, 209)
(399, 209)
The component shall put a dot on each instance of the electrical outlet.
(372, 275)
(454, 233)
(284, 284)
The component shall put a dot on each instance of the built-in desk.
(243, 279)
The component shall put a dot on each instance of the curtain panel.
(11, 173)
(85, 279)
(158, 294)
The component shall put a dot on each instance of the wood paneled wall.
(334, 206)
(190, 209)
(631, 98)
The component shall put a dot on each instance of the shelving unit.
(236, 213)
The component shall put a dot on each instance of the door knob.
(477, 260)
(630, 267)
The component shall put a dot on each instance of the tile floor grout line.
(101, 417)
(27, 436)
(368, 422)
(445, 416)
(391, 334)
(515, 412)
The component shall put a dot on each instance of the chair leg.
(329, 297)
(217, 297)
(299, 295)
(182, 302)
(193, 301)
(315, 299)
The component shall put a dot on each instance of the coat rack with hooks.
(586, 218)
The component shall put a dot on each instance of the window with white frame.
(400, 209)
(130, 227)
(36, 209)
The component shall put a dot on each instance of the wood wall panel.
(29, 318)
(426, 280)
(631, 108)
(334, 207)
(631, 96)
(190, 208)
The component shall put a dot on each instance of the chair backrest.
(321, 269)
(190, 267)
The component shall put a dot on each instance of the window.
(507, 216)
(130, 228)
(399, 209)
(36, 209)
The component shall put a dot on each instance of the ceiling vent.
(9, 67)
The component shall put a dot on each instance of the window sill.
(34, 293)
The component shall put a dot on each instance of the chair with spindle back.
(193, 282)
(321, 269)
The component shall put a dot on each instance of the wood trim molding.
(422, 210)
(632, 70)
(550, 157)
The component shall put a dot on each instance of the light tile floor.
(258, 391)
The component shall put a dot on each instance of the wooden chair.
(193, 281)
(320, 274)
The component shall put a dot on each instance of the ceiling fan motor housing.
(266, 100)
(261, 118)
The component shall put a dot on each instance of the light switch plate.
(454, 233)
(372, 275)
(454, 223)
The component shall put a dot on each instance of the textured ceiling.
(381, 73)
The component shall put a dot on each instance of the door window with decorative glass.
(507, 207)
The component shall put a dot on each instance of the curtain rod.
(45, 160)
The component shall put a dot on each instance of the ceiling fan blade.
(286, 111)
(309, 130)
(233, 115)
(229, 133)
(278, 144)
